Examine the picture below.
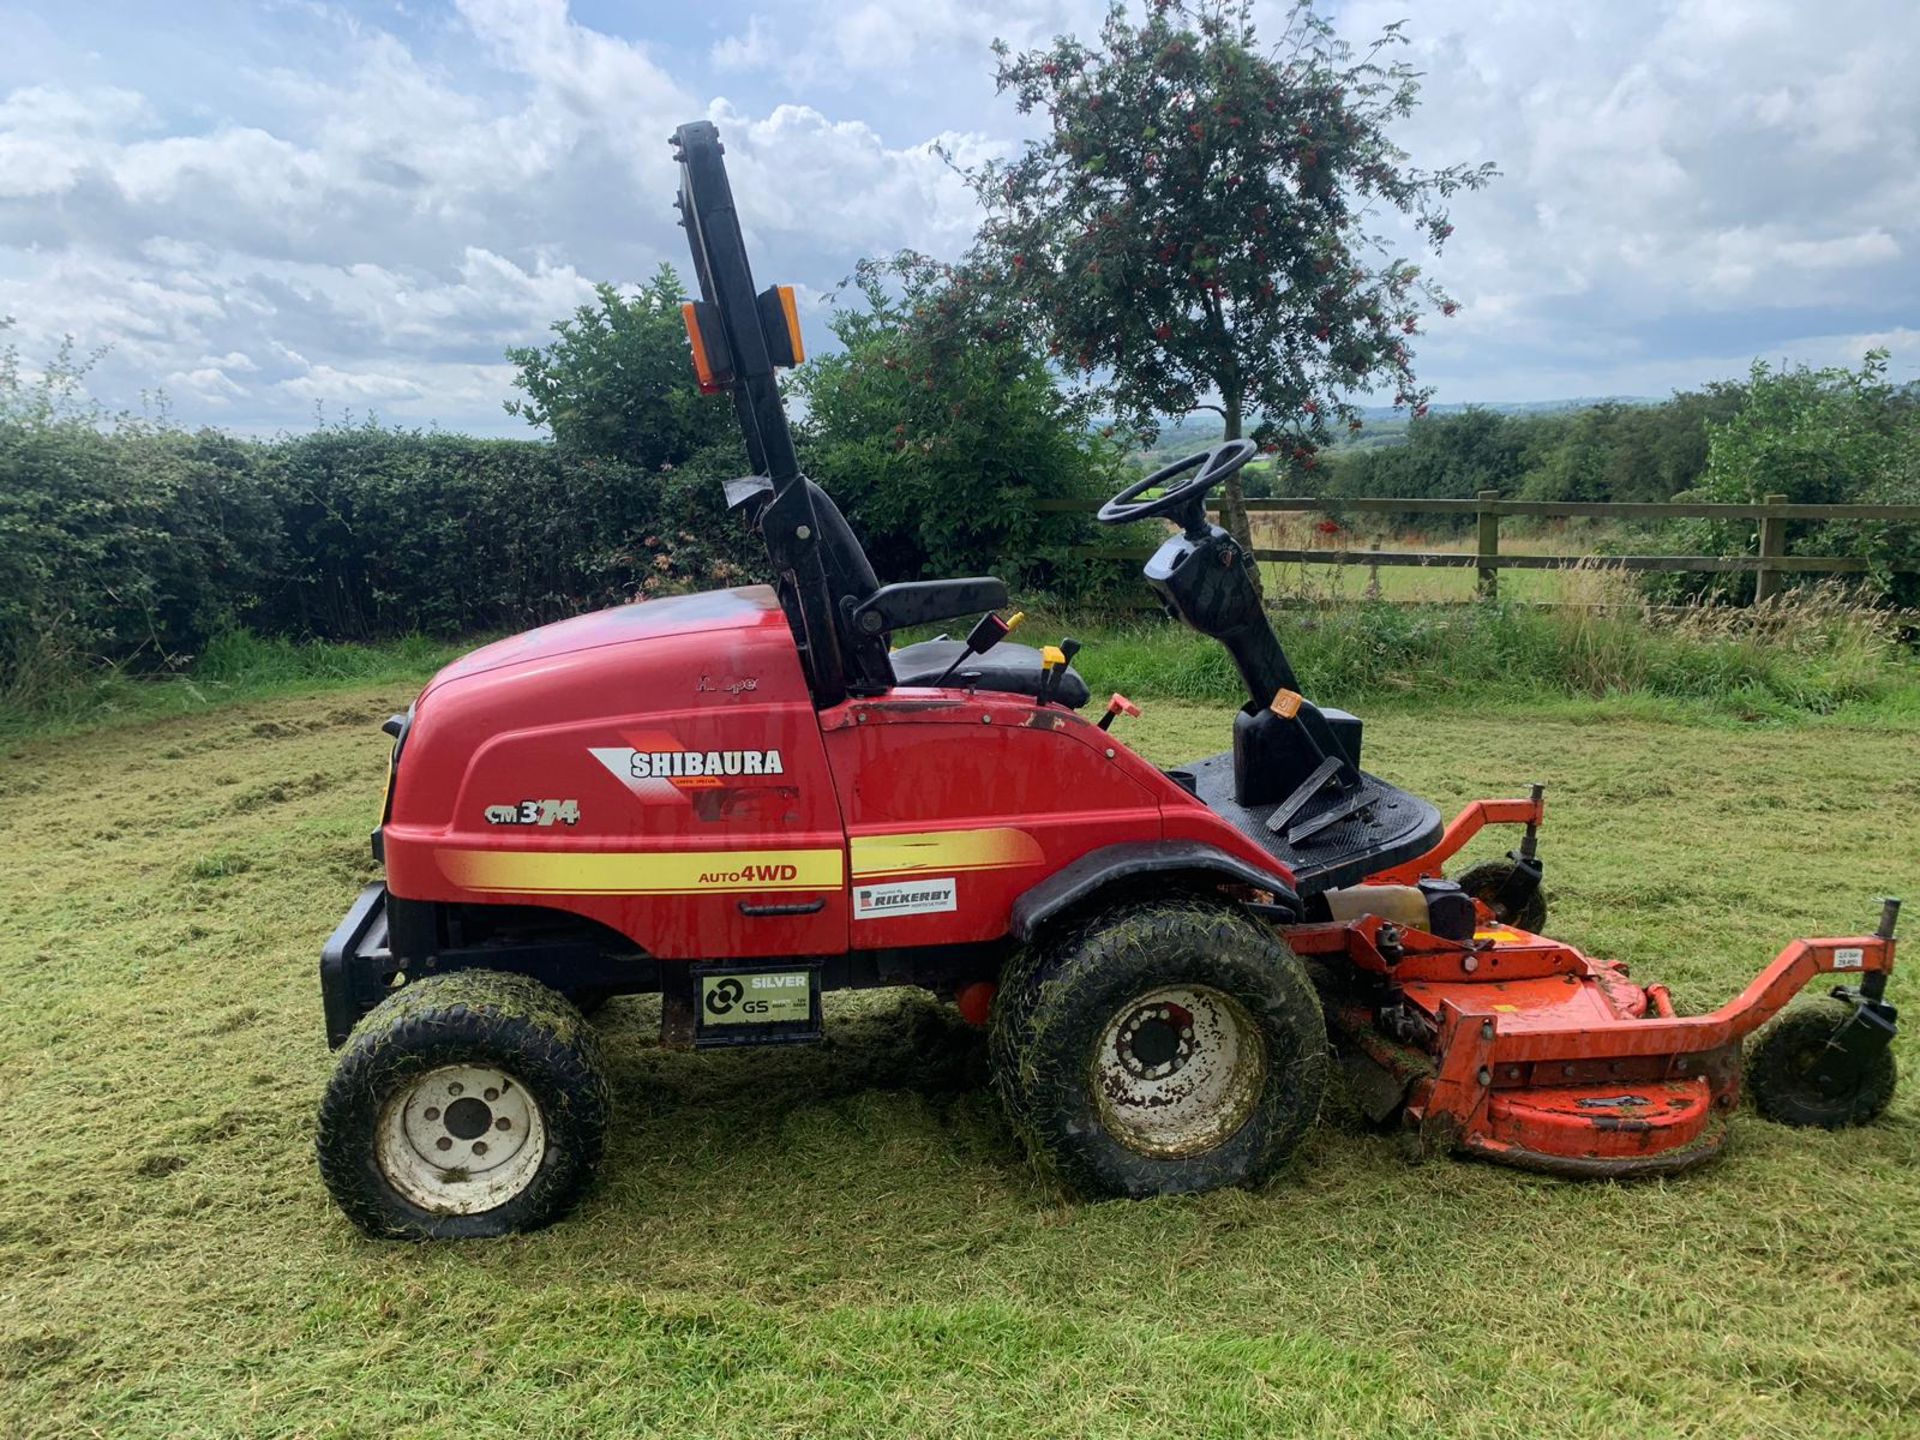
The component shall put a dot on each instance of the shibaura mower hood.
(741, 800)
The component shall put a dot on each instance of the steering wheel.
(1186, 502)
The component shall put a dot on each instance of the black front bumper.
(355, 965)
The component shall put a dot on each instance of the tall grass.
(1809, 650)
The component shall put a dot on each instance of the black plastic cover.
(1111, 864)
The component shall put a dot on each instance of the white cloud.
(842, 45)
(209, 384)
(348, 387)
(352, 216)
(838, 183)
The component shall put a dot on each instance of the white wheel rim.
(1178, 1071)
(461, 1139)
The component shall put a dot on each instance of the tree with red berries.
(1200, 226)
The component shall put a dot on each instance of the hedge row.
(137, 544)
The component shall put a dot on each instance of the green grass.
(1362, 655)
(239, 666)
(842, 1240)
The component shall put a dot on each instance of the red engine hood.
(750, 607)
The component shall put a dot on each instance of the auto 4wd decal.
(642, 872)
(905, 897)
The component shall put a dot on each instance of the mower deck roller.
(741, 800)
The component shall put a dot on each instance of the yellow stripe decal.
(943, 850)
(641, 872)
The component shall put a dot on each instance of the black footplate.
(1383, 825)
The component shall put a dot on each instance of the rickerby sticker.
(905, 897)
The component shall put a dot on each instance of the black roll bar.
(787, 521)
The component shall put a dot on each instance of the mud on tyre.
(1159, 1048)
(465, 1105)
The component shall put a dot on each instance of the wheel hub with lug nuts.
(1156, 1041)
(1178, 1071)
(461, 1139)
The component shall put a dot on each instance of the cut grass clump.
(219, 865)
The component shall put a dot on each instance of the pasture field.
(1430, 584)
(842, 1240)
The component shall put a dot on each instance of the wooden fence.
(1769, 565)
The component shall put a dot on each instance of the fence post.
(1489, 543)
(1773, 544)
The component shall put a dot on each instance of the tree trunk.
(1233, 501)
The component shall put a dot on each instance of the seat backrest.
(851, 581)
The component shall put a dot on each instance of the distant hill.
(1384, 424)
(1513, 407)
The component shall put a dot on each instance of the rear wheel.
(1159, 1049)
(465, 1105)
(1789, 1082)
(1486, 882)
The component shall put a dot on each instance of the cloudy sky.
(269, 207)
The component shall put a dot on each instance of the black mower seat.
(1014, 669)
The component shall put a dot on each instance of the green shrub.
(1818, 437)
(389, 532)
(937, 432)
(133, 544)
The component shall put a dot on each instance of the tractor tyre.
(1159, 1048)
(464, 1106)
(1487, 879)
(1780, 1074)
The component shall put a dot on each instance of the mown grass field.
(843, 1240)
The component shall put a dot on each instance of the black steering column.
(1201, 573)
(1280, 740)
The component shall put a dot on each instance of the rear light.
(712, 361)
(790, 312)
(780, 322)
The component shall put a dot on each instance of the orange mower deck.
(1525, 1050)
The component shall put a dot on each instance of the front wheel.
(1488, 881)
(1160, 1049)
(1794, 1081)
(466, 1105)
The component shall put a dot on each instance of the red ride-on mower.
(742, 800)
